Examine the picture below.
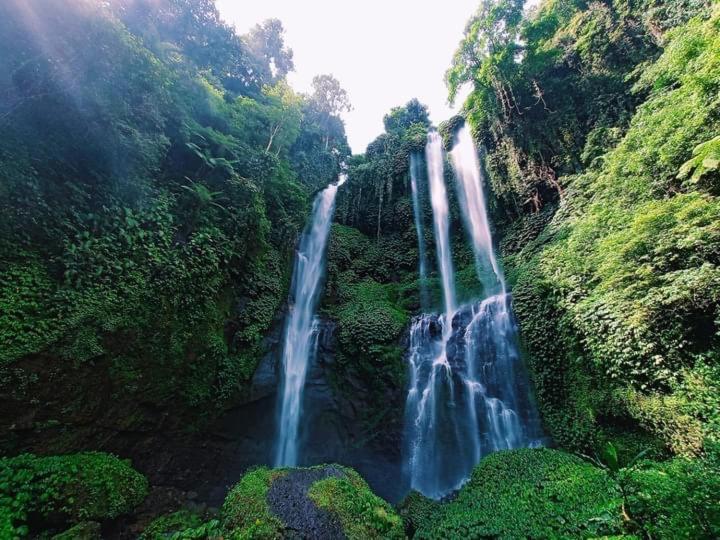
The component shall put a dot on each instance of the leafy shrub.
(675, 499)
(417, 512)
(60, 490)
(535, 493)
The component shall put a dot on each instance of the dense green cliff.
(603, 166)
(152, 190)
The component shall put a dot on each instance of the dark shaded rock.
(288, 499)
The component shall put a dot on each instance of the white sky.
(383, 52)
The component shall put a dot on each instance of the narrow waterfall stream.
(300, 335)
(415, 176)
(468, 392)
(474, 211)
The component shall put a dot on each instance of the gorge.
(217, 321)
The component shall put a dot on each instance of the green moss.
(66, 489)
(245, 513)
(182, 525)
(363, 514)
(531, 493)
(166, 526)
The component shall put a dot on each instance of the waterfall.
(419, 228)
(300, 327)
(468, 392)
(441, 213)
(474, 211)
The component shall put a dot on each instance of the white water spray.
(300, 331)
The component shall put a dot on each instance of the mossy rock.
(327, 501)
(245, 512)
(531, 493)
(58, 491)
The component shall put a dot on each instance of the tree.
(266, 42)
(330, 100)
(285, 114)
(195, 30)
(401, 118)
(491, 32)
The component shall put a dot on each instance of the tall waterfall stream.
(468, 393)
(300, 335)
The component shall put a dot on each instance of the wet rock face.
(332, 429)
(288, 499)
(336, 430)
(210, 461)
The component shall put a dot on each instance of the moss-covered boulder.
(327, 501)
(531, 493)
(58, 491)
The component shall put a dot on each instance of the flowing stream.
(468, 392)
(300, 335)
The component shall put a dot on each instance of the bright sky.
(383, 52)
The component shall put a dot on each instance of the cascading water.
(439, 202)
(300, 328)
(468, 393)
(415, 176)
(474, 211)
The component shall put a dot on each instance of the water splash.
(300, 328)
(415, 175)
(468, 393)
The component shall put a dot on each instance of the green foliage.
(704, 167)
(528, 493)
(181, 525)
(25, 291)
(417, 512)
(556, 85)
(86, 530)
(245, 513)
(361, 513)
(618, 292)
(62, 490)
(675, 499)
(153, 190)
(370, 310)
